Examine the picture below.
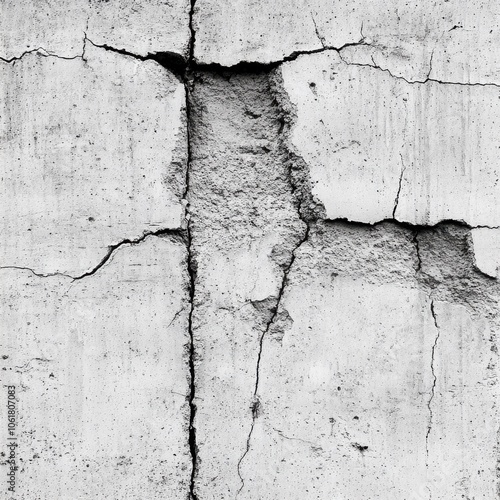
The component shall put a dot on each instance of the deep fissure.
(188, 82)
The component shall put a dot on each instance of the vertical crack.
(295, 185)
(396, 201)
(433, 388)
(193, 448)
(256, 403)
(417, 251)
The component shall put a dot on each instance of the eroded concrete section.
(452, 41)
(93, 151)
(59, 27)
(100, 367)
(244, 225)
(378, 147)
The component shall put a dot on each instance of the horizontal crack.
(41, 52)
(170, 60)
(415, 82)
(408, 225)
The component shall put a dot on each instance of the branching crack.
(433, 388)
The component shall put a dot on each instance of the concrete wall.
(250, 250)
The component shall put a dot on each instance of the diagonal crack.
(296, 192)
(111, 250)
(396, 201)
(170, 60)
(320, 38)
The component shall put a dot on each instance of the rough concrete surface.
(250, 250)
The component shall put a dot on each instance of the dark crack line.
(407, 225)
(255, 66)
(396, 201)
(41, 52)
(256, 404)
(320, 38)
(113, 248)
(39, 275)
(417, 251)
(413, 82)
(191, 264)
(433, 388)
(169, 60)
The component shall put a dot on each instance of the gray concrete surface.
(250, 250)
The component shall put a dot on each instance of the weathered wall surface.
(251, 250)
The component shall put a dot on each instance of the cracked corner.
(433, 388)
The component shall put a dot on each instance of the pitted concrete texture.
(378, 147)
(60, 26)
(453, 41)
(93, 151)
(101, 376)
